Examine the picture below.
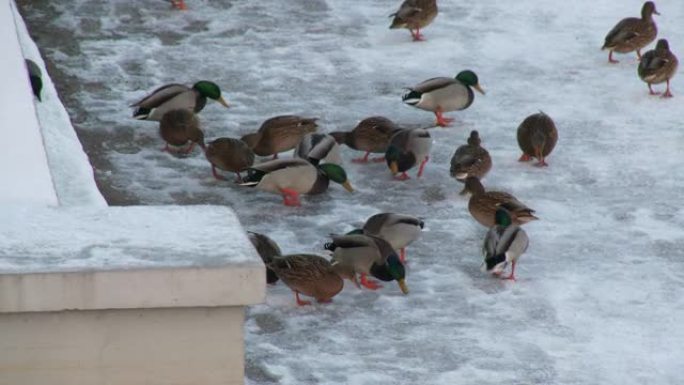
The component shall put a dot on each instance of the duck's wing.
(433, 84)
(622, 33)
(160, 96)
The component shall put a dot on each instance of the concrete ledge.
(126, 257)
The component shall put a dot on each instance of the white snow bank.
(22, 159)
(70, 168)
(67, 239)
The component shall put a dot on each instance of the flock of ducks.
(377, 250)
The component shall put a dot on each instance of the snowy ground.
(600, 294)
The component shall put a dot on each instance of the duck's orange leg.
(290, 197)
(416, 35)
(216, 174)
(299, 300)
(403, 176)
(368, 283)
(524, 158)
(441, 120)
(362, 160)
(667, 93)
(402, 255)
(610, 58)
(422, 166)
(511, 277)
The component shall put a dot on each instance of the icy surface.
(600, 296)
(22, 159)
(115, 238)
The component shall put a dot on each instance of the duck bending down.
(308, 274)
(279, 133)
(407, 149)
(483, 204)
(291, 177)
(371, 135)
(504, 243)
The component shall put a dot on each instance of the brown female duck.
(483, 204)
(537, 136)
(414, 15)
(278, 134)
(180, 127)
(308, 274)
(268, 250)
(658, 66)
(229, 154)
(470, 159)
(632, 33)
(370, 135)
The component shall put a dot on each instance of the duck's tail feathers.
(249, 184)
(141, 113)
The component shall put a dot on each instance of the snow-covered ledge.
(91, 294)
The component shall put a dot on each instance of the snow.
(69, 167)
(79, 238)
(22, 159)
(600, 296)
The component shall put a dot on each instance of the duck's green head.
(210, 90)
(502, 217)
(392, 270)
(469, 78)
(336, 174)
(396, 161)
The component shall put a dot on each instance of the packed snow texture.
(600, 295)
(69, 168)
(22, 159)
(115, 238)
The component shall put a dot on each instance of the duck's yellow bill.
(223, 101)
(347, 186)
(479, 88)
(394, 167)
(403, 287)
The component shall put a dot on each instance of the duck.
(537, 137)
(177, 96)
(364, 255)
(229, 154)
(470, 159)
(267, 249)
(483, 204)
(180, 127)
(310, 275)
(414, 15)
(504, 243)
(317, 148)
(632, 33)
(444, 94)
(371, 135)
(279, 133)
(408, 148)
(291, 177)
(35, 77)
(400, 230)
(657, 66)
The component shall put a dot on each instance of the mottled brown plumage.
(371, 135)
(632, 33)
(229, 154)
(470, 159)
(414, 15)
(180, 127)
(483, 204)
(308, 274)
(657, 66)
(537, 136)
(280, 133)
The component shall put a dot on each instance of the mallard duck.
(632, 33)
(400, 230)
(414, 15)
(470, 159)
(537, 136)
(178, 127)
(363, 255)
(482, 205)
(444, 94)
(268, 250)
(308, 274)
(657, 66)
(229, 154)
(408, 148)
(317, 148)
(291, 177)
(176, 96)
(35, 77)
(370, 135)
(504, 243)
(280, 133)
